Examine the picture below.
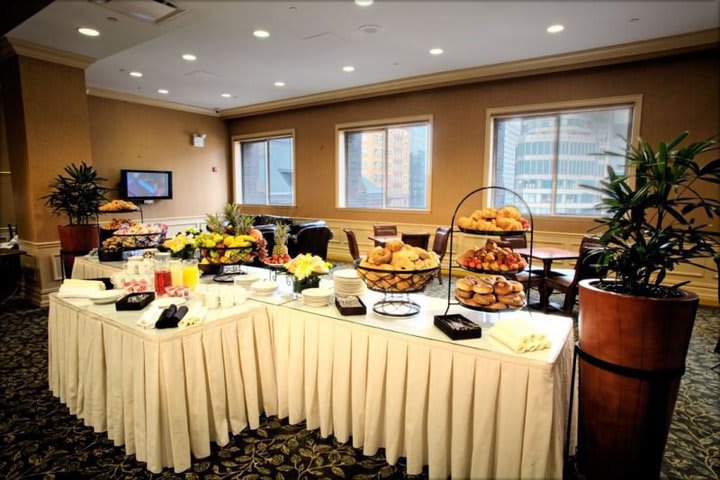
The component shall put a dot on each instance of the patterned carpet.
(40, 439)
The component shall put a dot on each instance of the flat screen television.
(145, 184)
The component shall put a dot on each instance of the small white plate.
(106, 296)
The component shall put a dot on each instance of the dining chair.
(567, 280)
(513, 241)
(352, 243)
(440, 244)
(383, 229)
(418, 239)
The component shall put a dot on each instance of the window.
(385, 166)
(264, 170)
(545, 157)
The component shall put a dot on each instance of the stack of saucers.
(316, 297)
(347, 283)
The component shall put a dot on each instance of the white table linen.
(470, 408)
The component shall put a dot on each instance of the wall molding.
(627, 52)
(10, 46)
(153, 102)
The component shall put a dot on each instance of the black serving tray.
(446, 324)
(356, 310)
(135, 301)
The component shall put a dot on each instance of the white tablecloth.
(470, 408)
(87, 267)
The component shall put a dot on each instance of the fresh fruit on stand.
(492, 258)
(281, 236)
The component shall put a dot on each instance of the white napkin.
(195, 316)
(89, 284)
(149, 317)
(519, 335)
(74, 290)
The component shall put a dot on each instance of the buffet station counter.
(466, 408)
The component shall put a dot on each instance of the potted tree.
(634, 330)
(77, 195)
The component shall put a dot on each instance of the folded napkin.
(519, 335)
(73, 288)
(195, 316)
(149, 317)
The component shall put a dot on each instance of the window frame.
(340, 159)
(492, 114)
(235, 145)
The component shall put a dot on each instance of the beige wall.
(129, 135)
(679, 93)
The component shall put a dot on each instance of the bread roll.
(484, 300)
(516, 286)
(483, 288)
(502, 288)
(463, 293)
(497, 306)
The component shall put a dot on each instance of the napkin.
(195, 316)
(519, 335)
(149, 317)
(72, 288)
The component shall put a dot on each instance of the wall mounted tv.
(145, 184)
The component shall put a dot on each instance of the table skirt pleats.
(463, 412)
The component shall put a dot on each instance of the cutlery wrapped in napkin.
(195, 316)
(519, 335)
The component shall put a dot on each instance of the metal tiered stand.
(503, 233)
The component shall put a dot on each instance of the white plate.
(167, 301)
(106, 296)
(317, 292)
(348, 274)
(247, 279)
(264, 287)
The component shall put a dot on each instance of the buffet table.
(469, 408)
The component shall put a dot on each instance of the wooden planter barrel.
(631, 355)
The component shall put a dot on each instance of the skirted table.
(469, 408)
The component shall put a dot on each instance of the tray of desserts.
(491, 258)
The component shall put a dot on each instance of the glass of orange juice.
(190, 274)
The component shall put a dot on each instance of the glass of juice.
(176, 272)
(162, 273)
(190, 274)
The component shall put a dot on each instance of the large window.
(264, 171)
(385, 166)
(546, 156)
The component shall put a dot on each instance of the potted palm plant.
(634, 329)
(77, 195)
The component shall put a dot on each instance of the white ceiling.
(310, 41)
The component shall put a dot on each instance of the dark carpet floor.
(40, 439)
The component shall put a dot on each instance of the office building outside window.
(385, 167)
(546, 157)
(264, 171)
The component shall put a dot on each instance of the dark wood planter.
(632, 356)
(76, 240)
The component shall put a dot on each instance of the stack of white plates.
(264, 288)
(316, 297)
(245, 280)
(347, 283)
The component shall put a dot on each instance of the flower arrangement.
(307, 269)
(183, 245)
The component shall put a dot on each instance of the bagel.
(483, 288)
(401, 262)
(423, 254)
(465, 284)
(380, 255)
(484, 300)
(394, 245)
(516, 286)
(463, 293)
(502, 288)
(497, 306)
(513, 299)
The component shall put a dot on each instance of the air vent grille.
(154, 11)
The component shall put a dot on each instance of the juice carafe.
(190, 274)
(176, 272)
(162, 272)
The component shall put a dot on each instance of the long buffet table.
(469, 408)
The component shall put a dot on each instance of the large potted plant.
(77, 195)
(634, 329)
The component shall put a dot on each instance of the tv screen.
(145, 184)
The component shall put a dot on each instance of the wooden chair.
(416, 239)
(513, 241)
(383, 229)
(567, 280)
(442, 234)
(352, 243)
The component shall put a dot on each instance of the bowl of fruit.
(223, 249)
(491, 258)
(280, 254)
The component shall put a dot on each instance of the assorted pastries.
(492, 258)
(492, 292)
(506, 219)
(118, 206)
(396, 256)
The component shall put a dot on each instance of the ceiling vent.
(154, 11)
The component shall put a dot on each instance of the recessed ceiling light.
(436, 51)
(225, 95)
(555, 28)
(163, 91)
(279, 84)
(136, 74)
(88, 32)
(364, 3)
(261, 33)
(189, 57)
(348, 68)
